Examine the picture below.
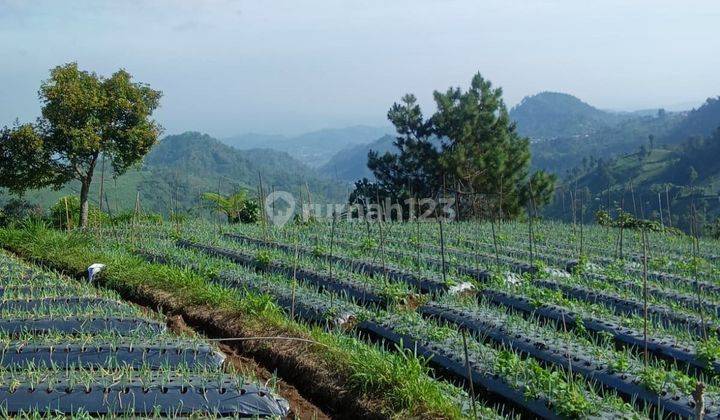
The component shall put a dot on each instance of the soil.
(293, 362)
(300, 407)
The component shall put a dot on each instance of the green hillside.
(649, 181)
(181, 167)
(563, 153)
(549, 115)
(350, 164)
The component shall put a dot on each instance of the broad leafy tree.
(85, 117)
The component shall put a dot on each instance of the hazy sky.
(228, 67)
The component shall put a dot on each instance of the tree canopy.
(468, 148)
(84, 117)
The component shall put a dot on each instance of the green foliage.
(319, 251)
(571, 401)
(263, 259)
(70, 206)
(237, 207)
(17, 211)
(469, 143)
(626, 220)
(127, 217)
(368, 244)
(715, 229)
(658, 380)
(84, 117)
(708, 351)
(581, 266)
(621, 364)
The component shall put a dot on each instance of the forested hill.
(698, 122)
(561, 154)
(315, 148)
(350, 164)
(665, 176)
(181, 167)
(549, 115)
(606, 134)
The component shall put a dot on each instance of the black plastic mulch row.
(437, 263)
(453, 363)
(561, 317)
(30, 290)
(663, 278)
(137, 356)
(71, 302)
(352, 289)
(423, 284)
(309, 310)
(622, 306)
(145, 399)
(567, 357)
(689, 301)
(80, 325)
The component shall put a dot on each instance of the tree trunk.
(85, 192)
(84, 205)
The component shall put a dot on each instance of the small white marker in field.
(461, 287)
(93, 270)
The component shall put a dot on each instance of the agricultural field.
(417, 319)
(66, 344)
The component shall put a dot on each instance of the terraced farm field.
(402, 320)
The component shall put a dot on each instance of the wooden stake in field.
(442, 250)
(67, 215)
(667, 201)
(294, 282)
(645, 295)
(417, 234)
(582, 222)
(662, 222)
(261, 200)
(699, 398)
(695, 263)
(531, 234)
(495, 242)
(382, 238)
(469, 374)
(332, 242)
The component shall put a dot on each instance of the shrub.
(17, 211)
(67, 209)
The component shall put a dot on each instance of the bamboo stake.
(667, 201)
(294, 283)
(645, 296)
(442, 250)
(469, 374)
(67, 215)
(699, 397)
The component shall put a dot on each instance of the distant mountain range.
(585, 132)
(314, 149)
(350, 164)
(181, 167)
